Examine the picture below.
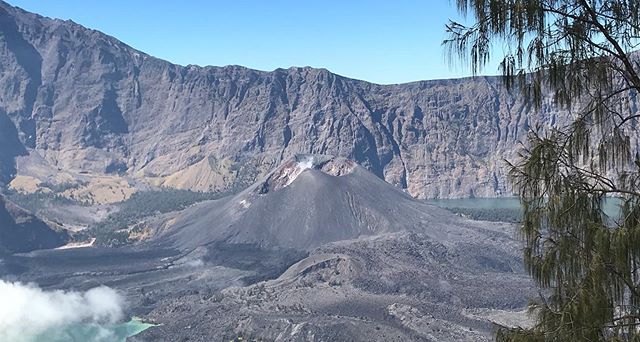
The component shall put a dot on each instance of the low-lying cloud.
(27, 312)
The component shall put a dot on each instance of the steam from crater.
(291, 174)
(306, 163)
(27, 312)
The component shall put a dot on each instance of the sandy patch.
(101, 190)
(200, 176)
(78, 244)
(27, 184)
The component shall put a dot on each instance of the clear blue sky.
(382, 41)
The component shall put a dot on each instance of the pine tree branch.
(621, 53)
(628, 118)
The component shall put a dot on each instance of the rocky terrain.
(392, 287)
(323, 234)
(318, 249)
(20, 231)
(308, 201)
(381, 265)
(76, 100)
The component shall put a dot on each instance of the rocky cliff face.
(83, 101)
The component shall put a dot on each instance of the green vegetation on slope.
(111, 231)
(35, 202)
(512, 215)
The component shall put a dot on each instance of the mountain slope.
(21, 231)
(86, 102)
(376, 264)
(318, 249)
(307, 202)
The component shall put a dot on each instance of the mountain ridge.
(87, 103)
(4, 4)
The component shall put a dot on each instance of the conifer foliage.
(580, 54)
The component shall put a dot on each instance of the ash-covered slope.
(319, 249)
(379, 266)
(308, 201)
(86, 102)
(21, 231)
(392, 287)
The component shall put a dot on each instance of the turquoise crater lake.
(611, 205)
(94, 332)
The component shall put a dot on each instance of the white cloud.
(27, 311)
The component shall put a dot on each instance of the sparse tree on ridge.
(582, 54)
